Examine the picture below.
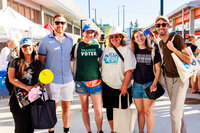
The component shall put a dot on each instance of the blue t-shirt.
(57, 57)
(144, 68)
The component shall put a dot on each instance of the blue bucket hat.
(26, 41)
(88, 27)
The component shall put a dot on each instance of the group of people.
(111, 71)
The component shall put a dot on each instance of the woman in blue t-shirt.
(143, 78)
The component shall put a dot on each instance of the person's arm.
(126, 82)
(42, 58)
(157, 67)
(197, 50)
(16, 82)
(183, 54)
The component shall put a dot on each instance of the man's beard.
(59, 31)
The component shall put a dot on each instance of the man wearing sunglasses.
(54, 51)
(175, 87)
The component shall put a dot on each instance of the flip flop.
(196, 92)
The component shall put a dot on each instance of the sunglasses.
(59, 22)
(115, 36)
(163, 25)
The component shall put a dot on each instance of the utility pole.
(123, 18)
(118, 15)
(161, 7)
(95, 11)
(89, 7)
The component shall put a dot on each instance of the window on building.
(21, 9)
(48, 19)
(8, 3)
(15, 6)
(76, 31)
(69, 28)
(27, 12)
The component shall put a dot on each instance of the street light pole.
(89, 7)
(95, 15)
(123, 18)
(161, 7)
(82, 26)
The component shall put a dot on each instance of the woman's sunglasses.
(115, 36)
(163, 25)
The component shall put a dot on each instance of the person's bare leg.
(97, 104)
(84, 108)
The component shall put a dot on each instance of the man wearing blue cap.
(54, 52)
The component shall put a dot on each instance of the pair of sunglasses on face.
(162, 24)
(60, 22)
(115, 36)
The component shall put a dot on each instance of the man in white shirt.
(3, 58)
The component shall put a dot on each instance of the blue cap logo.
(26, 41)
(88, 27)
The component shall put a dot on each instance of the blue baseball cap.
(26, 41)
(88, 27)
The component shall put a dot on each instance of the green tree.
(136, 24)
(131, 24)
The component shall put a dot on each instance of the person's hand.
(28, 88)
(41, 86)
(13, 55)
(153, 87)
(170, 46)
(123, 91)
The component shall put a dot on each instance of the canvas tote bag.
(186, 70)
(124, 119)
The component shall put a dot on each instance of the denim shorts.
(138, 90)
(81, 89)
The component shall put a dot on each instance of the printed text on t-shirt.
(111, 58)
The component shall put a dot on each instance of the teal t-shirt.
(87, 64)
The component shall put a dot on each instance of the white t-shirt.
(3, 58)
(113, 68)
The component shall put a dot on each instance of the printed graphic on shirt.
(88, 52)
(144, 58)
(111, 58)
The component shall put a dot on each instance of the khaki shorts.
(62, 92)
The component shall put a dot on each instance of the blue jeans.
(138, 90)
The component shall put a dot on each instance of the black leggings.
(109, 113)
(111, 99)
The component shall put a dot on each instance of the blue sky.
(145, 11)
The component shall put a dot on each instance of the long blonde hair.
(134, 45)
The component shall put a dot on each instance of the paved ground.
(161, 112)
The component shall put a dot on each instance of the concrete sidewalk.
(161, 112)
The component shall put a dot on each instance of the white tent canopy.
(12, 21)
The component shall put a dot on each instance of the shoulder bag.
(117, 51)
(185, 70)
(43, 113)
(124, 119)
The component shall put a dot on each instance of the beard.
(59, 30)
(162, 33)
